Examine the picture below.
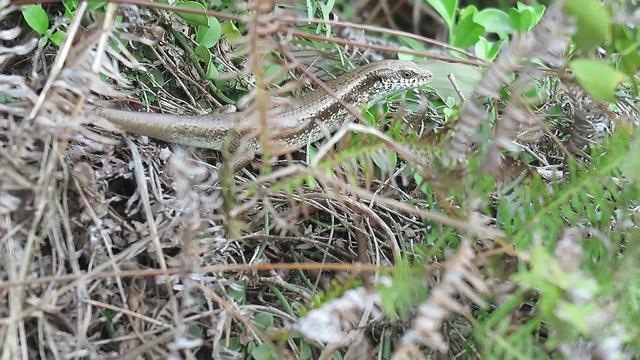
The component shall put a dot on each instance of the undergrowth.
(491, 214)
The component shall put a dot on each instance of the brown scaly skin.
(306, 120)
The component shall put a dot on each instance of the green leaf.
(630, 62)
(405, 290)
(446, 9)
(212, 72)
(538, 10)
(311, 8)
(385, 161)
(467, 11)
(488, 49)
(627, 44)
(263, 320)
(192, 19)
(522, 20)
(108, 326)
(598, 79)
(369, 117)
(203, 53)
(577, 315)
(96, 5)
(262, 352)
(271, 70)
(326, 13)
(230, 31)
(208, 36)
(57, 37)
(69, 7)
(631, 168)
(305, 350)
(237, 292)
(413, 44)
(467, 77)
(405, 56)
(42, 42)
(494, 21)
(467, 32)
(196, 331)
(158, 77)
(37, 18)
(326, 9)
(592, 20)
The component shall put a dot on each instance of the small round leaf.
(208, 36)
(593, 22)
(57, 37)
(598, 79)
(230, 31)
(494, 21)
(190, 18)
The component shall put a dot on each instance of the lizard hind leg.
(238, 151)
(240, 159)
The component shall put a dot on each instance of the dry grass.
(117, 246)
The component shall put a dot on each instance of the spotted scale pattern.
(306, 120)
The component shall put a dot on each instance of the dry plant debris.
(493, 214)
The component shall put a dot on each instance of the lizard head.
(392, 76)
(403, 74)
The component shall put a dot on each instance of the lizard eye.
(406, 74)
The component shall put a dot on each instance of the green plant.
(467, 26)
(38, 20)
(524, 246)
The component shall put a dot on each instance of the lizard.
(307, 120)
